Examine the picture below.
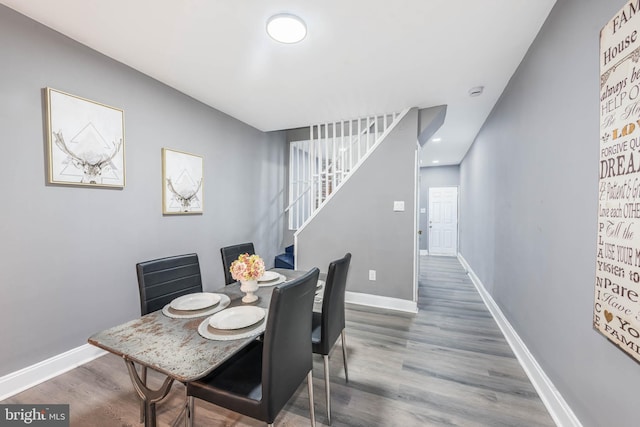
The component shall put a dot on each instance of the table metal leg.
(148, 396)
(143, 377)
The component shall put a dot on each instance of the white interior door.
(443, 220)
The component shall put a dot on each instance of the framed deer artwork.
(182, 176)
(85, 141)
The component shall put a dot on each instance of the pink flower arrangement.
(247, 267)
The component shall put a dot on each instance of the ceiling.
(360, 57)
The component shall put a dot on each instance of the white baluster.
(359, 140)
(333, 162)
(368, 132)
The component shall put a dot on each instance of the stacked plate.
(271, 278)
(196, 305)
(319, 291)
(234, 323)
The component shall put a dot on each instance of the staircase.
(285, 260)
(320, 165)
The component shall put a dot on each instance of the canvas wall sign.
(85, 141)
(617, 286)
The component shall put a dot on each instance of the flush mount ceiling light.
(437, 139)
(435, 161)
(286, 28)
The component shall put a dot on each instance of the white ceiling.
(360, 57)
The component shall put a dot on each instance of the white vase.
(249, 287)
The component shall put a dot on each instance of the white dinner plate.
(190, 314)
(207, 331)
(269, 276)
(237, 317)
(196, 301)
(277, 281)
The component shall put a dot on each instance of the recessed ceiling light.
(286, 28)
(437, 139)
(435, 161)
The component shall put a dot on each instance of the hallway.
(469, 370)
(447, 366)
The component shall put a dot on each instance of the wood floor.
(448, 365)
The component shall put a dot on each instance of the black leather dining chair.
(230, 254)
(162, 280)
(329, 324)
(260, 380)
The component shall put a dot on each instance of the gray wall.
(67, 255)
(360, 219)
(438, 176)
(529, 213)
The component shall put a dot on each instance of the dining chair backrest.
(333, 321)
(287, 355)
(230, 254)
(162, 280)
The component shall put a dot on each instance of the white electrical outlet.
(372, 275)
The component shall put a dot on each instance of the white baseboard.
(377, 301)
(30, 376)
(551, 397)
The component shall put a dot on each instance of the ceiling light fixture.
(437, 139)
(286, 28)
(436, 161)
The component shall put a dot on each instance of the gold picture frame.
(182, 182)
(85, 141)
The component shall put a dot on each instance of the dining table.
(174, 346)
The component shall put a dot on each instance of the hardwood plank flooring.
(449, 365)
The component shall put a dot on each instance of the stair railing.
(320, 165)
